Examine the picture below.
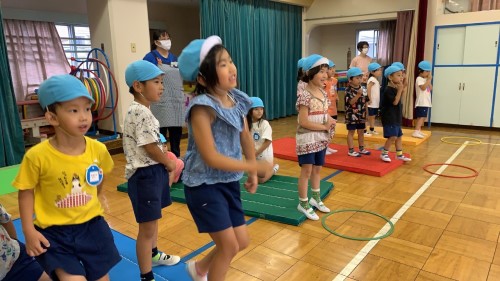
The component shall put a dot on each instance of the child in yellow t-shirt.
(59, 180)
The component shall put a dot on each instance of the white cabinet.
(463, 95)
(450, 46)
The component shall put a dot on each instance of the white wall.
(336, 39)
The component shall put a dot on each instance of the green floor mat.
(7, 175)
(275, 200)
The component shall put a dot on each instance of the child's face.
(331, 72)
(153, 89)
(378, 72)
(320, 77)
(74, 116)
(356, 80)
(257, 113)
(396, 77)
(425, 74)
(226, 72)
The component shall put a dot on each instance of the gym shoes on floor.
(164, 259)
(418, 135)
(403, 158)
(310, 214)
(330, 151)
(276, 167)
(374, 132)
(354, 154)
(191, 270)
(365, 152)
(367, 134)
(319, 205)
(385, 157)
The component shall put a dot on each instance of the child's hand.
(251, 183)
(359, 92)
(329, 123)
(399, 86)
(36, 243)
(429, 77)
(170, 165)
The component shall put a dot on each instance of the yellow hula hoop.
(472, 141)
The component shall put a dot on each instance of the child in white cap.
(218, 134)
(423, 88)
(58, 181)
(148, 167)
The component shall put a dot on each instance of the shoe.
(276, 167)
(365, 152)
(319, 205)
(420, 132)
(417, 135)
(330, 151)
(310, 214)
(191, 270)
(385, 157)
(403, 158)
(354, 154)
(374, 132)
(164, 259)
(367, 134)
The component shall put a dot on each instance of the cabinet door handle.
(459, 86)
(463, 87)
(496, 43)
(438, 46)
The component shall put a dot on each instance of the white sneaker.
(310, 214)
(365, 152)
(276, 167)
(374, 132)
(385, 158)
(164, 259)
(417, 135)
(330, 151)
(403, 158)
(367, 134)
(319, 205)
(191, 270)
(420, 132)
(354, 154)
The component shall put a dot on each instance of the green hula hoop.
(389, 232)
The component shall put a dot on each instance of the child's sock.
(147, 276)
(399, 152)
(351, 150)
(385, 152)
(304, 202)
(372, 129)
(154, 252)
(361, 148)
(316, 195)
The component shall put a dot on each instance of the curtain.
(386, 42)
(35, 53)
(264, 40)
(11, 138)
(484, 5)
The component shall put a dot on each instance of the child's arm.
(400, 87)
(249, 152)
(155, 153)
(356, 97)
(201, 119)
(11, 230)
(305, 123)
(427, 83)
(263, 147)
(369, 90)
(36, 243)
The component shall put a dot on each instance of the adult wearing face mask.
(160, 50)
(170, 109)
(362, 60)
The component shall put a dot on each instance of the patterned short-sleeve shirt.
(9, 248)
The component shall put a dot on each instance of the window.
(75, 40)
(370, 36)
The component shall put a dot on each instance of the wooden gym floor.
(446, 228)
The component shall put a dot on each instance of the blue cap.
(162, 138)
(193, 55)
(141, 70)
(331, 64)
(313, 61)
(353, 72)
(373, 66)
(256, 102)
(61, 88)
(390, 70)
(398, 65)
(300, 63)
(425, 65)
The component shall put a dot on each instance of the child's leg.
(266, 174)
(361, 137)
(315, 190)
(350, 139)
(305, 173)
(226, 247)
(146, 239)
(63, 275)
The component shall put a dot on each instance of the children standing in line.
(214, 166)
(59, 180)
(331, 92)
(373, 89)
(314, 133)
(262, 135)
(392, 113)
(147, 166)
(423, 88)
(15, 263)
(355, 112)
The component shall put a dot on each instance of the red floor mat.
(370, 165)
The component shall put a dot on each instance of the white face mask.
(165, 44)
(364, 51)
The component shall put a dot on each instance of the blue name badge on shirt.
(94, 175)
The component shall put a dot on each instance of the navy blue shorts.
(25, 267)
(421, 111)
(86, 249)
(357, 126)
(149, 192)
(315, 158)
(392, 131)
(215, 207)
(372, 111)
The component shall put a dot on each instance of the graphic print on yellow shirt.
(63, 194)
